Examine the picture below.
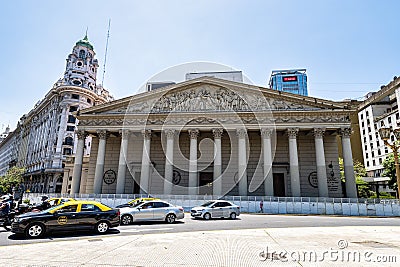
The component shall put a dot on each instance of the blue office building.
(291, 81)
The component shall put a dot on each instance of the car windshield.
(208, 203)
(53, 208)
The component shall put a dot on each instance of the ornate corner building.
(46, 136)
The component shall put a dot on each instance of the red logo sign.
(290, 79)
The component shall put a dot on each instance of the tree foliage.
(14, 176)
(390, 170)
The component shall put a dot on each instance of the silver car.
(216, 209)
(156, 210)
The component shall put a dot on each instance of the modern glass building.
(291, 81)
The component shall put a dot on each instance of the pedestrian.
(261, 206)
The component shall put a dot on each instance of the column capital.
(146, 134)
(170, 133)
(293, 132)
(194, 133)
(241, 132)
(319, 132)
(346, 132)
(81, 134)
(217, 132)
(125, 133)
(102, 134)
(266, 132)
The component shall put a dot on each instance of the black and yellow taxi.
(69, 216)
(54, 201)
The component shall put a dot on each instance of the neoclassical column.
(76, 178)
(145, 170)
(351, 189)
(217, 184)
(169, 161)
(123, 154)
(321, 165)
(294, 162)
(193, 180)
(242, 162)
(267, 156)
(101, 154)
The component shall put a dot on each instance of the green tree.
(390, 170)
(363, 188)
(14, 176)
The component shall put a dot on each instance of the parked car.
(69, 216)
(136, 201)
(216, 209)
(156, 210)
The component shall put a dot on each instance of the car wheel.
(35, 230)
(207, 216)
(102, 227)
(126, 219)
(170, 218)
(232, 216)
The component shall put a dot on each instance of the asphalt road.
(244, 221)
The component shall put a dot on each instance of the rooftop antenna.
(105, 54)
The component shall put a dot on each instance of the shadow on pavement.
(60, 235)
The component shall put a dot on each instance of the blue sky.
(348, 47)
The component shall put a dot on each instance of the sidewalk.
(313, 246)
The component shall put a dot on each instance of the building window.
(390, 120)
(73, 108)
(373, 162)
(361, 116)
(386, 150)
(373, 154)
(82, 54)
(380, 160)
(363, 132)
(369, 129)
(70, 128)
(69, 141)
(89, 100)
(71, 119)
(367, 163)
(366, 155)
(75, 96)
(67, 151)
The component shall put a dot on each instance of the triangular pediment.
(208, 94)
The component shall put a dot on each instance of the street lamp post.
(385, 135)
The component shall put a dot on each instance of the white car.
(216, 209)
(156, 210)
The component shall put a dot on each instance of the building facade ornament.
(125, 133)
(194, 133)
(81, 134)
(319, 132)
(266, 132)
(241, 133)
(217, 132)
(146, 133)
(293, 132)
(170, 133)
(346, 132)
(102, 134)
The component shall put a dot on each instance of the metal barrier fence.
(251, 204)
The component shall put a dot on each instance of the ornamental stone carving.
(293, 132)
(81, 134)
(345, 132)
(266, 132)
(217, 132)
(125, 133)
(319, 132)
(146, 134)
(102, 134)
(194, 133)
(241, 133)
(170, 133)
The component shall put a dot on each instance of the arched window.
(82, 54)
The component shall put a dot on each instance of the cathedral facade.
(209, 136)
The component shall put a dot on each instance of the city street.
(245, 221)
